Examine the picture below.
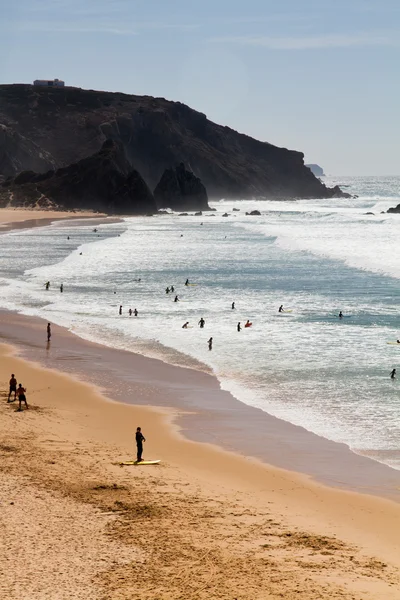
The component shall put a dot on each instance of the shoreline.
(12, 219)
(202, 411)
(207, 413)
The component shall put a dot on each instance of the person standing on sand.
(21, 397)
(48, 332)
(139, 443)
(210, 343)
(13, 388)
(393, 374)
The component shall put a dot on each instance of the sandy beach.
(207, 522)
(18, 218)
(203, 523)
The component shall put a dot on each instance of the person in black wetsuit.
(281, 308)
(139, 443)
(210, 343)
(340, 315)
(187, 282)
(239, 327)
(393, 374)
(120, 309)
(48, 332)
(202, 323)
(233, 306)
(62, 288)
(176, 299)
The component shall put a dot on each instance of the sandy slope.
(203, 524)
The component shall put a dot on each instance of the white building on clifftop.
(49, 82)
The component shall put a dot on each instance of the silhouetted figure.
(176, 299)
(120, 309)
(130, 312)
(239, 328)
(139, 443)
(281, 308)
(62, 288)
(48, 285)
(233, 306)
(393, 374)
(185, 325)
(21, 397)
(201, 323)
(13, 388)
(135, 312)
(340, 315)
(210, 343)
(48, 332)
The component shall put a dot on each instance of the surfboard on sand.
(142, 462)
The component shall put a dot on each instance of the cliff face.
(180, 189)
(104, 181)
(69, 124)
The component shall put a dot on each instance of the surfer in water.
(210, 343)
(62, 288)
(340, 315)
(130, 312)
(281, 308)
(120, 309)
(135, 312)
(233, 306)
(187, 282)
(48, 285)
(201, 323)
(172, 289)
(167, 290)
(393, 374)
(239, 327)
(139, 443)
(185, 325)
(176, 299)
(248, 324)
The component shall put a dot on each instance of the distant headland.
(316, 170)
(48, 127)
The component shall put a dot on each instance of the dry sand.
(205, 523)
(23, 218)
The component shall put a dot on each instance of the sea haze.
(315, 257)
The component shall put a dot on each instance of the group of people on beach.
(19, 393)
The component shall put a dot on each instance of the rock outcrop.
(103, 182)
(179, 189)
(394, 209)
(316, 170)
(63, 126)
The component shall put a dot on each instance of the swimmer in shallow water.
(281, 309)
(393, 374)
(340, 315)
(185, 325)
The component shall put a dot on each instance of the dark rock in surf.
(395, 209)
(254, 213)
(180, 189)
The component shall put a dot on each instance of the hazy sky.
(320, 76)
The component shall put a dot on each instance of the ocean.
(316, 257)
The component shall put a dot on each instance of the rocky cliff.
(180, 189)
(395, 209)
(63, 126)
(104, 181)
